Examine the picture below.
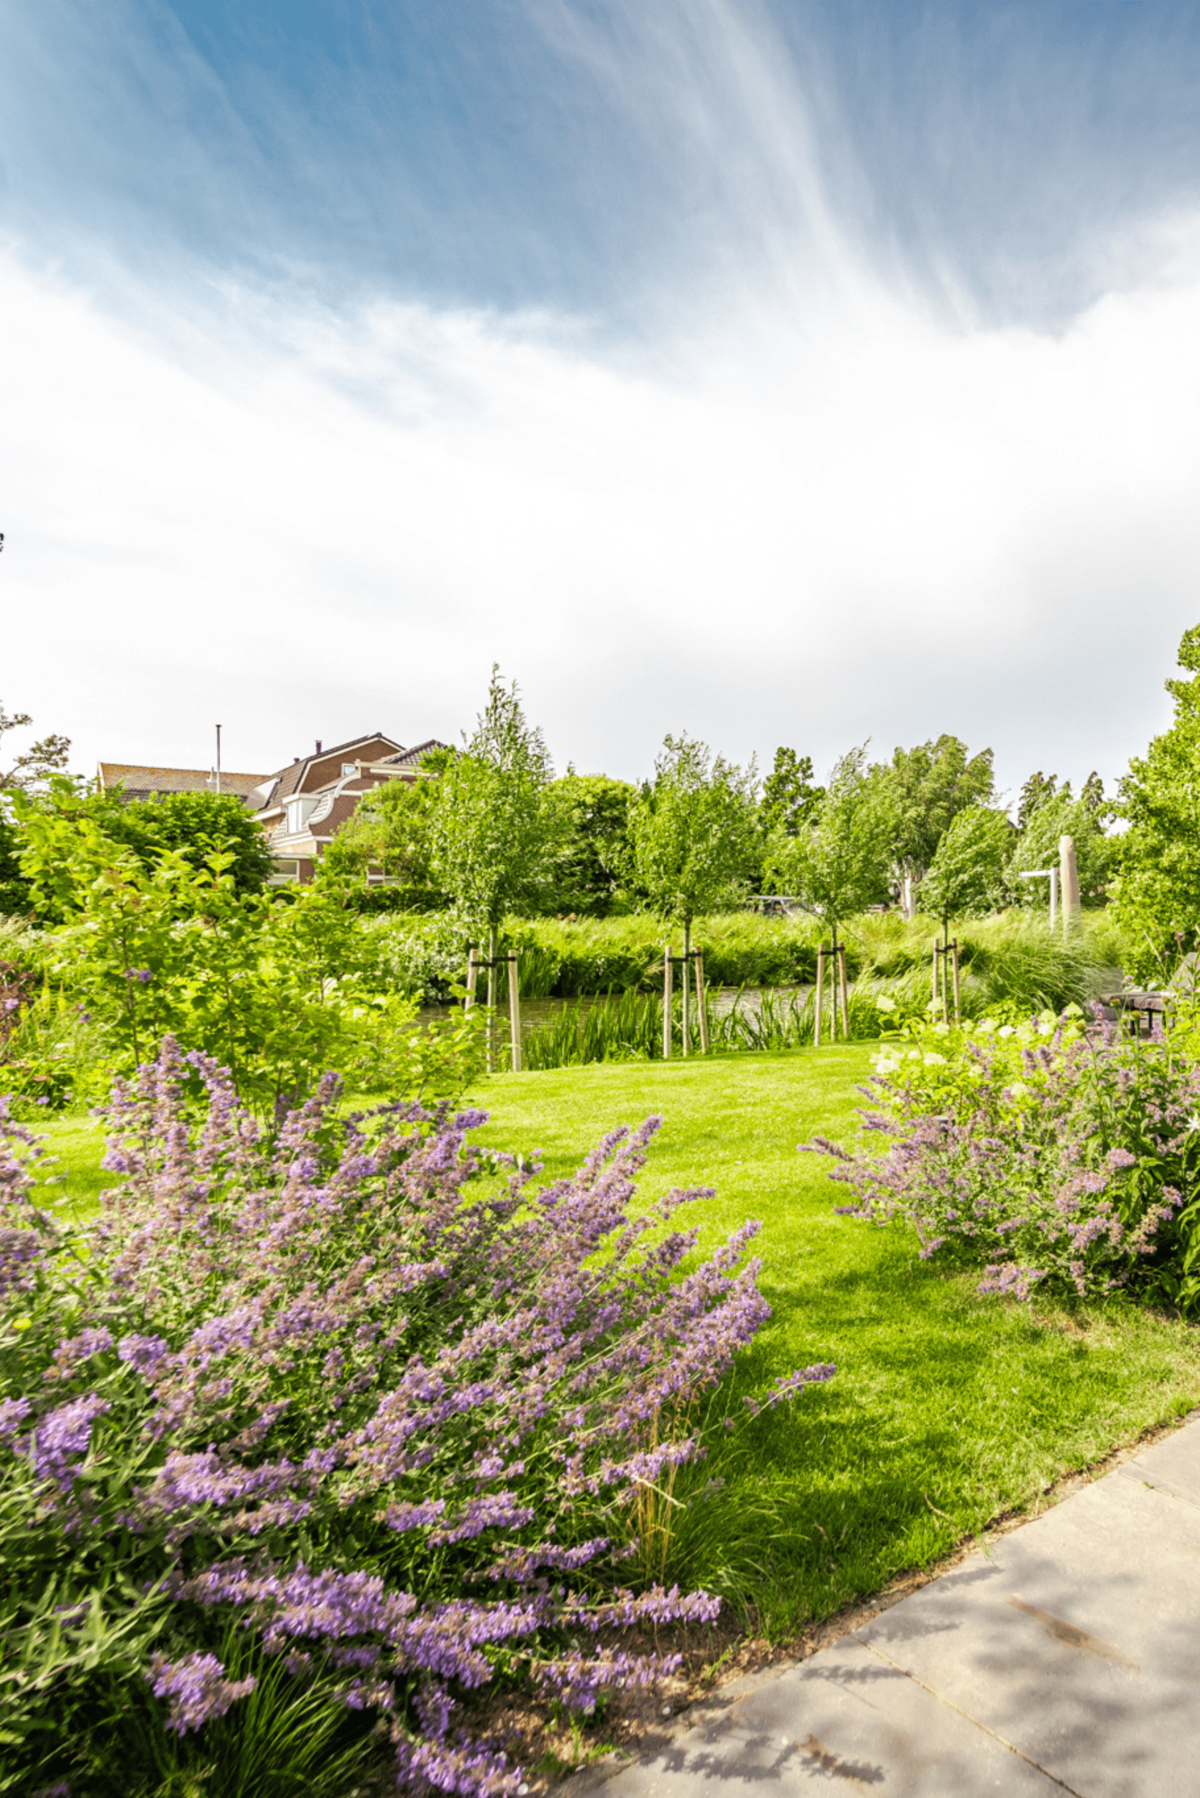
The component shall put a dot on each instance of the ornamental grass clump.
(333, 1424)
(1057, 1155)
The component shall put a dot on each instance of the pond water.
(536, 1012)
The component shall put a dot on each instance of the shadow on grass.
(947, 1410)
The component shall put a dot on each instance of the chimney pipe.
(318, 745)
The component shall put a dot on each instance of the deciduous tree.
(694, 832)
(496, 833)
(930, 784)
(789, 797)
(838, 865)
(967, 875)
(31, 769)
(1158, 858)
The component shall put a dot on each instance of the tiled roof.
(137, 781)
(410, 758)
(289, 779)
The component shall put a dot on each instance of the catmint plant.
(355, 1389)
(1058, 1155)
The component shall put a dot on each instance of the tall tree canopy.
(930, 784)
(34, 766)
(595, 867)
(1158, 858)
(1037, 847)
(1035, 792)
(789, 796)
(967, 877)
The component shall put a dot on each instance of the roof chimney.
(318, 745)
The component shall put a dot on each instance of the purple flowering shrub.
(1056, 1155)
(353, 1390)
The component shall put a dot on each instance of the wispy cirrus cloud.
(794, 492)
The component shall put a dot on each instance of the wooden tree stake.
(701, 1003)
(845, 991)
(668, 982)
(820, 1000)
(685, 970)
(954, 970)
(472, 977)
(514, 1009)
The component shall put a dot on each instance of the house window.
(285, 871)
(298, 813)
(349, 767)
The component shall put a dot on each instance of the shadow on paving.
(1065, 1659)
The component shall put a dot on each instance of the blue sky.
(789, 372)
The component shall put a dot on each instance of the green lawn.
(71, 1167)
(947, 1408)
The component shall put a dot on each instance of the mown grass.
(70, 1178)
(947, 1410)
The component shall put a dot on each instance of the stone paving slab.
(1173, 1465)
(1075, 1640)
(844, 1721)
(1064, 1659)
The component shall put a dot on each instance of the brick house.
(302, 808)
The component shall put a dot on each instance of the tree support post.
(514, 1009)
(668, 982)
(701, 1002)
(685, 970)
(841, 954)
(472, 978)
(491, 999)
(954, 972)
(820, 999)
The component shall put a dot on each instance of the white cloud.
(809, 507)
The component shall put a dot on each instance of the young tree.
(930, 785)
(838, 865)
(43, 758)
(693, 832)
(967, 876)
(495, 830)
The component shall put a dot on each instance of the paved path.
(1064, 1660)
